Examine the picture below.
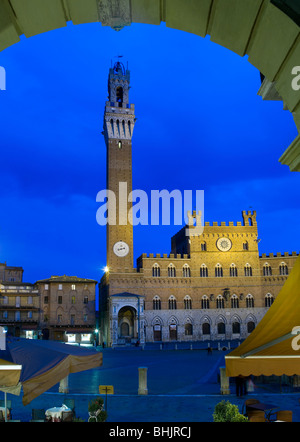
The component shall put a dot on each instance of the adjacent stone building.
(67, 308)
(212, 286)
(59, 308)
(19, 303)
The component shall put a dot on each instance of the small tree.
(227, 412)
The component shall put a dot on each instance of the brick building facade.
(212, 285)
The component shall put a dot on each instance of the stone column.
(143, 390)
(64, 385)
(224, 381)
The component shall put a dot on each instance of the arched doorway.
(127, 330)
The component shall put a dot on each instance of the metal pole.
(5, 406)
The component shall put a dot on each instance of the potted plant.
(96, 411)
(227, 412)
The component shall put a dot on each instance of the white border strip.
(10, 367)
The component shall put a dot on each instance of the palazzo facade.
(212, 286)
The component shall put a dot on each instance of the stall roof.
(273, 348)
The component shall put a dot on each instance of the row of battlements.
(249, 219)
(186, 256)
(278, 255)
(228, 224)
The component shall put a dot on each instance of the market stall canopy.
(10, 377)
(45, 363)
(273, 348)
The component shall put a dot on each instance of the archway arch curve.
(260, 29)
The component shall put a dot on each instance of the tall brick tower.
(119, 120)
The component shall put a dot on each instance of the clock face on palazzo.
(224, 244)
(121, 249)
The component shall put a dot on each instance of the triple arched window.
(283, 269)
(269, 299)
(205, 302)
(186, 271)
(172, 303)
(218, 271)
(156, 303)
(233, 270)
(187, 302)
(249, 301)
(220, 303)
(248, 270)
(156, 270)
(234, 301)
(267, 269)
(203, 271)
(171, 271)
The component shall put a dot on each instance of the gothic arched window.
(205, 302)
(188, 329)
(186, 271)
(156, 270)
(218, 271)
(203, 271)
(283, 269)
(221, 328)
(234, 301)
(249, 301)
(220, 302)
(267, 269)
(187, 303)
(269, 300)
(172, 303)
(233, 270)
(248, 270)
(236, 327)
(156, 303)
(171, 270)
(250, 326)
(206, 328)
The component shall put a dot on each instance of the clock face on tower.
(121, 249)
(224, 244)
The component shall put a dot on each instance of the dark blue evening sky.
(200, 125)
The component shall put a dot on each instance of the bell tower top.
(119, 117)
(118, 85)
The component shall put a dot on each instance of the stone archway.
(127, 329)
(260, 29)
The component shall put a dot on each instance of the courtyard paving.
(183, 386)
